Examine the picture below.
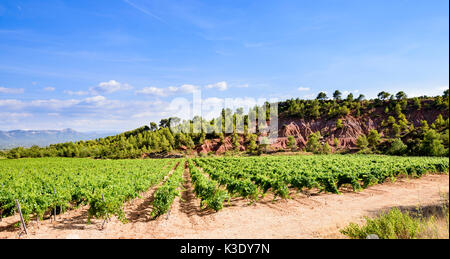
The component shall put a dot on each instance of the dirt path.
(304, 216)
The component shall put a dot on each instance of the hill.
(389, 124)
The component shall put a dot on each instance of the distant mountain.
(28, 138)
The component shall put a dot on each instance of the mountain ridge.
(28, 138)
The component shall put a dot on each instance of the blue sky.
(118, 64)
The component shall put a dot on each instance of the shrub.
(432, 144)
(397, 147)
(313, 143)
(373, 138)
(391, 225)
(326, 149)
(292, 143)
(362, 142)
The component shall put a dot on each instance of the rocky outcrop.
(300, 129)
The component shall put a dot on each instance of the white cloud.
(303, 89)
(222, 86)
(187, 88)
(11, 102)
(13, 116)
(49, 89)
(111, 87)
(152, 91)
(95, 99)
(76, 93)
(53, 103)
(171, 90)
(5, 90)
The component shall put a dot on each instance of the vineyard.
(56, 184)
(253, 177)
(47, 186)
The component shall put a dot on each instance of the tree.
(315, 110)
(350, 97)
(432, 144)
(337, 95)
(252, 146)
(362, 142)
(360, 98)
(153, 126)
(292, 143)
(322, 96)
(439, 122)
(417, 103)
(424, 125)
(383, 95)
(445, 94)
(326, 149)
(313, 142)
(164, 123)
(391, 120)
(189, 142)
(373, 138)
(264, 144)
(396, 129)
(235, 141)
(398, 109)
(344, 111)
(401, 95)
(397, 147)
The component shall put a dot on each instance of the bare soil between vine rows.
(306, 215)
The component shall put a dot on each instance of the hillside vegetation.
(389, 124)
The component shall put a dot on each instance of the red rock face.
(300, 129)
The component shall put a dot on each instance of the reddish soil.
(306, 215)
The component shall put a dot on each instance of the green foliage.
(337, 95)
(350, 97)
(401, 95)
(362, 142)
(432, 144)
(417, 103)
(383, 95)
(396, 129)
(391, 225)
(398, 109)
(207, 190)
(322, 96)
(42, 184)
(397, 147)
(292, 143)
(391, 120)
(373, 138)
(339, 124)
(165, 195)
(313, 144)
(326, 149)
(253, 146)
(336, 142)
(244, 176)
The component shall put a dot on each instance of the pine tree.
(292, 143)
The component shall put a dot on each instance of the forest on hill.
(390, 124)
